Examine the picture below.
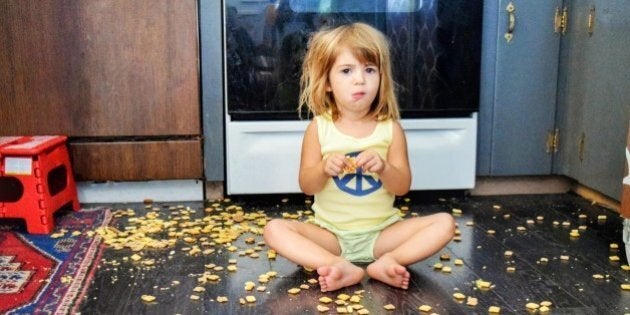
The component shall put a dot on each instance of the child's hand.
(334, 164)
(370, 161)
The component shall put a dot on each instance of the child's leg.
(406, 242)
(313, 247)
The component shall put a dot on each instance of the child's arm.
(394, 171)
(314, 170)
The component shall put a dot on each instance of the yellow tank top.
(353, 201)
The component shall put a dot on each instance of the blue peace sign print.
(357, 184)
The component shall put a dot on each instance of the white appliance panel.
(264, 156)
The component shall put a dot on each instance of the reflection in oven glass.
(435, 46)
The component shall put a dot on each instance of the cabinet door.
(519, 88)
(109, 74)
(99, 68)
(594, 97)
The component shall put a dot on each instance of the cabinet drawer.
(137, 160)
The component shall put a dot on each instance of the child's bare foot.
(340, 275)
(386, 269)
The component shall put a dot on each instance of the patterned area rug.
(46, 274)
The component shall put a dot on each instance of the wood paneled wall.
(113, 70)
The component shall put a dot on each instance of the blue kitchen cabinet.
(554, 96)
(518, 87)
(593, 94)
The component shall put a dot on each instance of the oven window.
(435, 46)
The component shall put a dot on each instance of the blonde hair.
(368, 45)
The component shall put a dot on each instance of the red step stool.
(35, 180)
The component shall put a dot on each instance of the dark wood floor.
(568, 284)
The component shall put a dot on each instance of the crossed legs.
(401, 244)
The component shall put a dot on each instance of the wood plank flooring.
(533, 227)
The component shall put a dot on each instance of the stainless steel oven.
(436, 49)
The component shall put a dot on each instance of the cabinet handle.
(509, 35)
(557, 21)
(560, 21)
(565, 20)
(591, 21)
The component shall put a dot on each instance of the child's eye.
(371, 70)
(346, 70)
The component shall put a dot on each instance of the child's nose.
(359, 78)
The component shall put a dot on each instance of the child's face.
(354, 84)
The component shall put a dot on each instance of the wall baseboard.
(159, 190)
(520, 185)
(596, 197)
(195, 190)
(515, 185)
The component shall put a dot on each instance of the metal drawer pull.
(509, 35)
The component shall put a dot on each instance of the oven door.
(436, 49)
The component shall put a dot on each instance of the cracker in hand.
(351, 165)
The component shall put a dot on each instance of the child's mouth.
(358, 95)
